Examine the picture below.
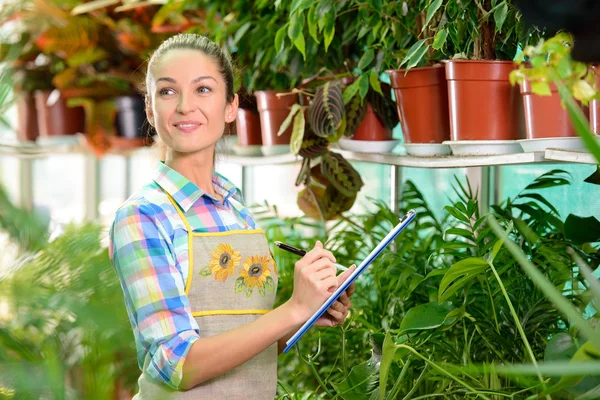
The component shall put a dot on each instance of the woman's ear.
(149, 112)
(231, 109)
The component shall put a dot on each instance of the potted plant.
(479, 70)
(545, 116)
(420, 88)
(31, 73)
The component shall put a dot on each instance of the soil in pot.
(483, 104)
(422, 101)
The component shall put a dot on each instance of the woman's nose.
(185, 105)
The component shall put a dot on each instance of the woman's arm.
(314, 278)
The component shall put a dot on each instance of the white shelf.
(570, 156)
(550, 155)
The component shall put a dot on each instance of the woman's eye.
(203, 89)
(165, 92)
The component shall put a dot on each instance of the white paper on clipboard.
(359, 270)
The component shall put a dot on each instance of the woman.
(198, 277)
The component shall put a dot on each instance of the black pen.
(301, 253)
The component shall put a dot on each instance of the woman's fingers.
(344, 299)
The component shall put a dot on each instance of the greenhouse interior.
(298, 199)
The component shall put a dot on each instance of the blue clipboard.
(359, 270)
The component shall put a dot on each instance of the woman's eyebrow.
(195, 80)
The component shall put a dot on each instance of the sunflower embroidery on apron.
(232, 281)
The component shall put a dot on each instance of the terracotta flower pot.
(595, 105)
(273, 110)
(371, 128)
(422, 101)
(58, 119)
(248, 127)
(545, 117)
(483, 103)
(27, 129)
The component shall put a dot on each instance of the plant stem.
(493, 306)
(416, 385)
(318, 377)
(344, 367)
(518, 324)
(348, 220)
(443, 371)
(396, 386)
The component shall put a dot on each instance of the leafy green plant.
(65, 332)
(449, 313)
(487, 30)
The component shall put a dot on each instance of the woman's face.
(187, 101)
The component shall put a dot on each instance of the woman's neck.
(197, 167)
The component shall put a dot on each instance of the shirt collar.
(186, 193)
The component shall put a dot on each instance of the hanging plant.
(327, 109)
(341, 174)
(313, 146)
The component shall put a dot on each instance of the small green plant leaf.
(241, 32)
(288, 120)
(541, 88)
(500, 16)
(363, 86)
(374, 81)
(366, 59)
(457, 214)
(350, 91)
(301, 45)
(417, 57)
(460, 232)
(426, 316)
(312, 21)
(300, 5)
(297, 133)
(295, 26)
(329, 28)
(459, 275)
(412, 51)
(279, 38)
(440, 39)
(433, 7)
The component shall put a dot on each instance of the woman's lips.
(187, 126)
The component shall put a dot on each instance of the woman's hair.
(191, 41)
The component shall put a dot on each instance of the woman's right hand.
(314, 281)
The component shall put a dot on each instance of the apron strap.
(188, 283)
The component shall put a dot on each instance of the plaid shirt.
(149, 250)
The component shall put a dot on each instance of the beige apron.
(232, 280)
